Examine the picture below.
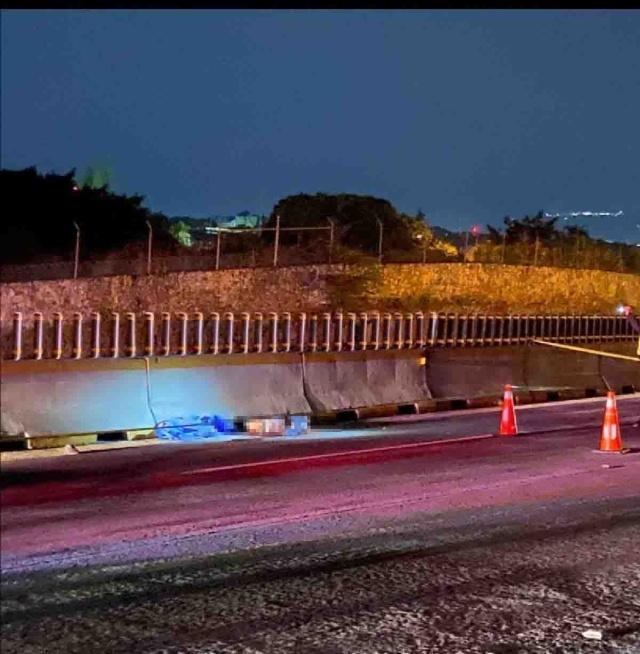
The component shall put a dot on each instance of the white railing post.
(130, 347)
(409, 335)
(77, 335)
(352, 331)
(387, 331)
(377, 330)
(364, 318)
(184, 327)
(230, 320)
(17, 335)
(314, 332)
(420, 340)
(38, 335)
(258, 325)
(433, 338)
(399, 318)
(215, 332)
(115, 341)
(287, 331)
(57, 335)
(327, 331)
(96, 321)
(149, 333)
(199, 332)
(302, 332)
(338, 341)
(246, 326)
(273, 317)
(166, 334)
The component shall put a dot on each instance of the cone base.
(624, 450)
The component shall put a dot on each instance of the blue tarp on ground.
(191, 428)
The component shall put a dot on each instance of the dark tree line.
(356, 217)
(39, 211)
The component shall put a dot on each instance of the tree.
(40, 212)
(357, 218)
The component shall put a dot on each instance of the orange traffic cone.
(611, 438)
(508, 424)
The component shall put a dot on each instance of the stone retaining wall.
(491, 288)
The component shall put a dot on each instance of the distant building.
(244, 219)
(203, 230)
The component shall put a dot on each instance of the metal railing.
(181, 334)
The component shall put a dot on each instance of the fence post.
(17, 336)
(215, 336)
(199, 332)
(115, 345)
(246, 326)
(258, 317)
(37, 335)
(77, 335)
(130, 347)
(273, 316)
(218, 246)
(433, 338)
(314, 332)
(352, 331)
(95, 336)
(76, 254)
(149, 246)
(182, 347)
(58, 335)
(400, 322)
(420, 329)
(331, 236)
(229, 317)
(287, 331)
(454, 329)
(302, 332)
(377, 331)
(149, 328)
(327, 332)
(387, 331)
(409, 336)
(338, 342)
(276, 242)
(364, 317)
(166, 333)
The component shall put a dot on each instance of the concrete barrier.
(90, 396)
(86, 396)
(620, 375)
(533, 370)
(470, 372)
(360, 379)
(226, 385)
(547, 367)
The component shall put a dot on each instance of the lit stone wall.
(434, 287)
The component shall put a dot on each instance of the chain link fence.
(277, 246)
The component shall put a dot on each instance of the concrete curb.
(522, 398)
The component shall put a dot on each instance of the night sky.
(467, 115)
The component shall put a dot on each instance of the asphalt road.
(482, 545)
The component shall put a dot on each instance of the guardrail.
(148, 334)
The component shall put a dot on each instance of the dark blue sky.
(469, 115)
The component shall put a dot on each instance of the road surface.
(408, 541)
